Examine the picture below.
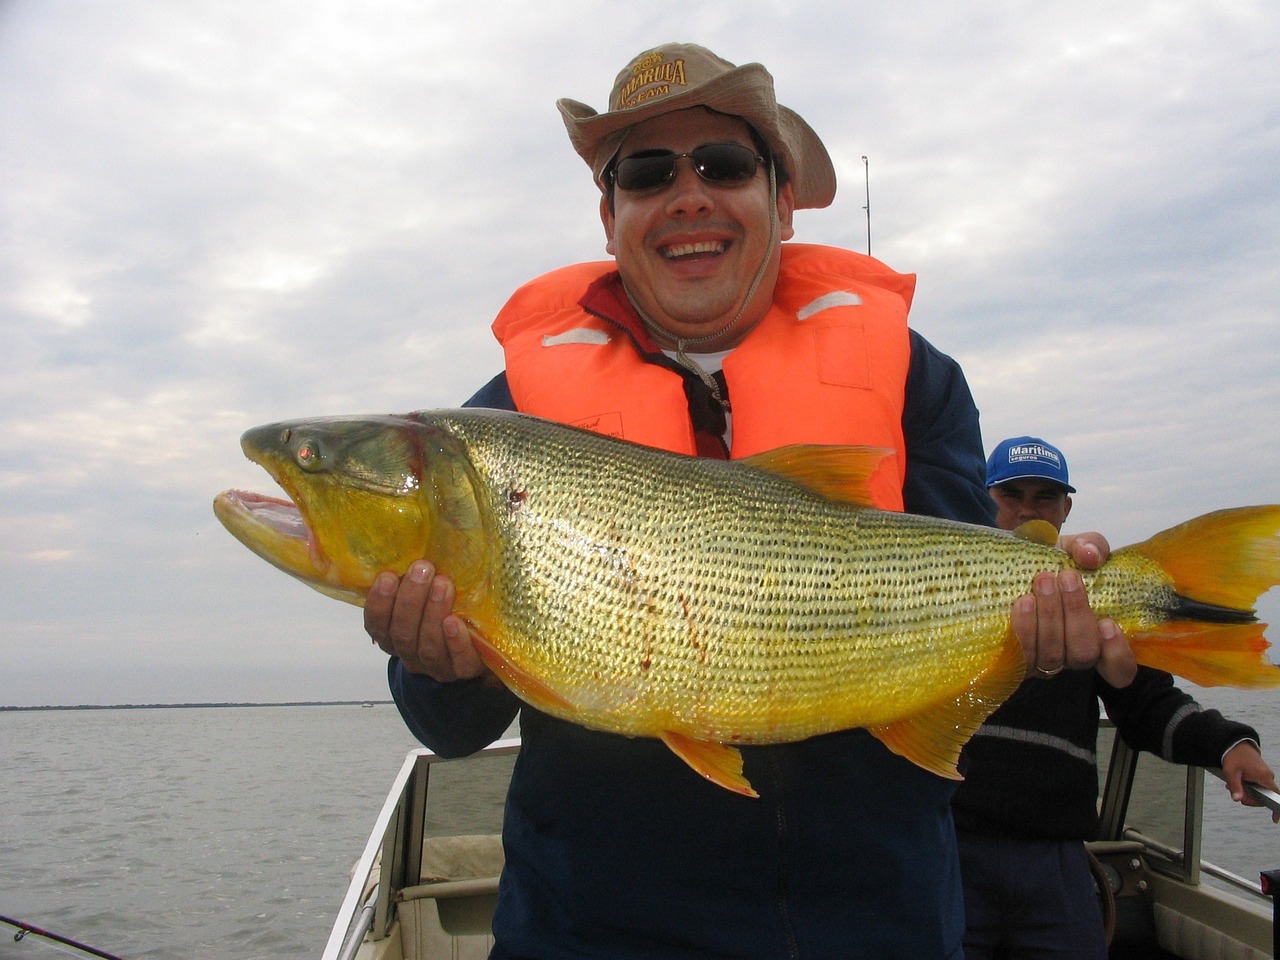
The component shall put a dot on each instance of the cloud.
(220, 216)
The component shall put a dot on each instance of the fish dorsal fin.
(1038, 531)
(933, 738)
(838, 473)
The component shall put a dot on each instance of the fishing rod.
(26, 928)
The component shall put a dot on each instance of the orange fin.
(1228, 558)
(934, 738)
(839, 473)
(1221, 563)
(1208, 654)
(1038, 531)
(526, 686)
(720, 764)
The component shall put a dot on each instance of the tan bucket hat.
(676, 76)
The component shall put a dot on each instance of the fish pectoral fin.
(1037, 531)
(933, 738)
(523, 684)
(839, 473)
(720, 764)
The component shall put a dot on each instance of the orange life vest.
(827, 364)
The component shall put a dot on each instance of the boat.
(415, 895)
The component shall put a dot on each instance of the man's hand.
(1244, 762)
(412, 618)
(1057, 628)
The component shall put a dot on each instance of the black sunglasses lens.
(714, 162)
(724, 163)
(644, 171)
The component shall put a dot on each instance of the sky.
(218, 215)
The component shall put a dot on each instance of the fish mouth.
(275, 529)
(280, 516)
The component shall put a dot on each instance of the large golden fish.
(712, 603)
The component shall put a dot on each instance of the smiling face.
(689, 250)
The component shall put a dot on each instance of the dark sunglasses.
(719, 163)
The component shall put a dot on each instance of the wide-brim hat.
(677, 76)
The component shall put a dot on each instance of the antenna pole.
(866, 176)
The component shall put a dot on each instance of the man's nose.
(689, 193)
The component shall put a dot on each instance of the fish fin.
(933, 738)
(720, 764)
(1227, 558)
(1219, 563)
(1208, 654)
(1038, 531)
(839, 473)
(526, 686)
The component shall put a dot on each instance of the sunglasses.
(718, 163)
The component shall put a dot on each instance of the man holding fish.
(705, 335)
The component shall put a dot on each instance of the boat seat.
(450, 912)
(1187, 922)
(1197, 929)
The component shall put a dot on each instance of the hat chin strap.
(682, 343)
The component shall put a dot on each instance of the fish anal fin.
(838, 473)
(1037, 531)
(720, 764)
(933, 738)
(526, 686)
(1208, 654)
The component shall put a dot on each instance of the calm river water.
(230, 832)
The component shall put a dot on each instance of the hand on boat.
(1244, 762)
(412, 618)
(1057, 628)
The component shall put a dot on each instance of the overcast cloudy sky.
(217, 215)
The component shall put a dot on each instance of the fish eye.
(308, 455)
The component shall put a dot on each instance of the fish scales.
(781, 601)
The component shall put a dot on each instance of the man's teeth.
(686, 249)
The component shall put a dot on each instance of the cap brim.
(1032, 476)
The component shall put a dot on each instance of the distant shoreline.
(178, 706)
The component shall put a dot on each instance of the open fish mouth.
(282, 516)
(273, 512)
(275, 529)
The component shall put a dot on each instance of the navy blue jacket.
(1032, 767)
(616, 849)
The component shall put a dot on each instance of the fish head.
(365, 494)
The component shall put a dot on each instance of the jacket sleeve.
(1152, 714)
(946, 466)
(459, 718)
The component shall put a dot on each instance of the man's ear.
(606, 217)
(786, 207)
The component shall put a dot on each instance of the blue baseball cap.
(1023, 458)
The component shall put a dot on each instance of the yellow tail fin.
(1224, 560)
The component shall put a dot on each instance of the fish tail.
(1219, 564)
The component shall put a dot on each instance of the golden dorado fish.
(711, 603)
